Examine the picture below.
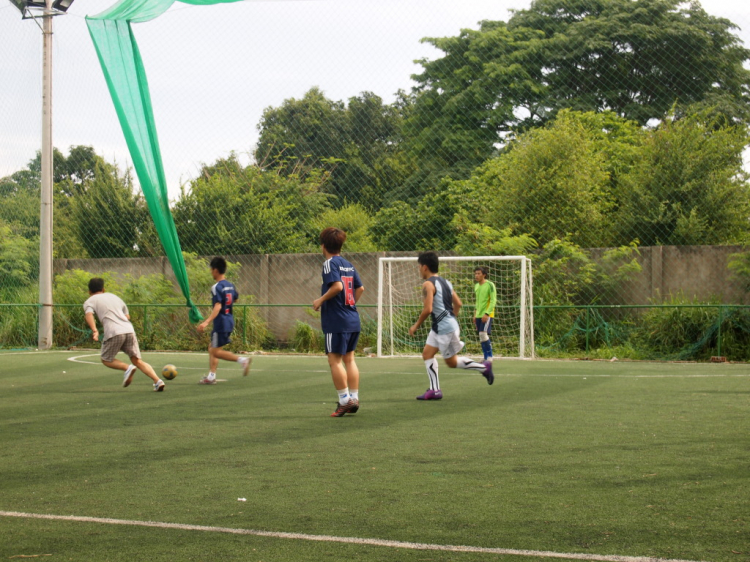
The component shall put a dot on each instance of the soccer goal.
(400, 302)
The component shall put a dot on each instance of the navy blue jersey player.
(339, 319)
(223, 297)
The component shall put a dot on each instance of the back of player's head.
(483, 269)
(96, 285)
(332, 239)
(430, 259)
(219, 264)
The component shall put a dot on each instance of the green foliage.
(676, 330)
(96, 212)
(739, 265)
(199, 273)
(19, 259)
(476, 239)
(72, 286)
(550, 184)
(635, 58)
(303, 338)
(18, 318)
(149, 289)
(354, 220)
(249, 210)
(108, 214)
(428, 224)
(688, 185)
(354, 142)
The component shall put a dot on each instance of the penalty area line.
(344, 540)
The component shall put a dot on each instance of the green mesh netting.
(125, 74)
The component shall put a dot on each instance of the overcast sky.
(213, 69)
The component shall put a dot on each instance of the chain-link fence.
(603, 139)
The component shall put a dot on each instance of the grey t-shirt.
(112, 313)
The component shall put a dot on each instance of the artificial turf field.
(607, 460)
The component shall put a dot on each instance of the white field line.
(79, 359)
(455, 372)
(344, 540)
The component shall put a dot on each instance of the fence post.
(244, 325)
(718, 335)
(588, 310)
(145, 323)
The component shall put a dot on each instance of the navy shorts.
(220, 339)
(341, 343)
(484, 326)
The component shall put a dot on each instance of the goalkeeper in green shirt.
(486, 298)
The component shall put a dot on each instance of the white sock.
(343, 395)
(466, 363)
(242, 360)
(432, 372)
(354, 394)
(211, 376)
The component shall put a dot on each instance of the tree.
(465, 99)
(356, 143)
(635, 58)
(550, 184)
(96, 213)
(428, 224)
(107, 214)
(19, 259)
(229, 209)
(688, 186)
(352, 219)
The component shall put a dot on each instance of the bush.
(303, 338)
(681, 330)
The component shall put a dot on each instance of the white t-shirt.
(112, 313)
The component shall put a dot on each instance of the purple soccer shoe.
(487, 373)
(431, 395)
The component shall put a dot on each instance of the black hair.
(430, 259)
(219, 264)
(483, 269)
(96, 285)
(332, 239)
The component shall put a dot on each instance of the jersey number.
(348, 290)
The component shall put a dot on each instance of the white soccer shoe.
(246, 364)
(128, 378)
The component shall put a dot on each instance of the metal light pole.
(48, 9)
(45, 226)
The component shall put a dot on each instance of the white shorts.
(448, 344)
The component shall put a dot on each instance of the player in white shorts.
(442, 304)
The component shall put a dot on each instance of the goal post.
(400, 302)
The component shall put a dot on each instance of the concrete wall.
(698, 272)
(294, 279)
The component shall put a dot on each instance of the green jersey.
(486, 299)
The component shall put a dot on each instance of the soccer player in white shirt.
(119, 334)
(441, 302)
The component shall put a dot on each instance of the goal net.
(400, 302)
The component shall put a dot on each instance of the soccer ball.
(169, 372)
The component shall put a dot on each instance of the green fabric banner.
(125, 74)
